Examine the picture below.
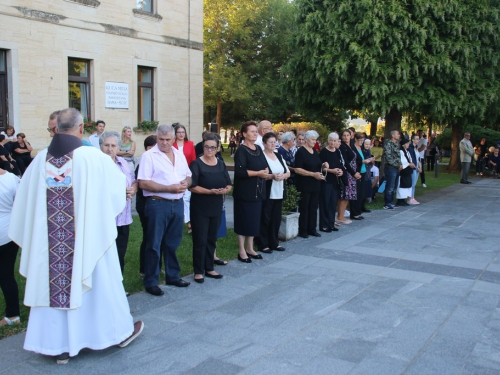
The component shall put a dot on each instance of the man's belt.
(163, 199)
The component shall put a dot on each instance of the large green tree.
(436, 57)
(244, 53)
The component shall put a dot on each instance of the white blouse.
(276, 186)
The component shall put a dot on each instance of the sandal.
(8, 322)
(220, 262)
(190, 229)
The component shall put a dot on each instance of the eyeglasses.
(51, 130)
(210, 148)
(180, 133)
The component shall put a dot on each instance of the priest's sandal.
(138, 327)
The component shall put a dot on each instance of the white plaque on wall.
(116, 95)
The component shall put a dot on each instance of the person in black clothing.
(270, 218)
(210, 181)
(330, 187)
(140, 204)
(6, 161)
(308, 168)
(480, 151)
(357, 207)
(250, 174)
(21, 151)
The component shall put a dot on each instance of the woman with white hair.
(287, 152)
(308, 166)
(127, 148)
(110, 144)
(330, 187)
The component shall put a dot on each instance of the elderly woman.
(308, 167)
(405, 174)
(183, 144)
(330, 187)
(270, 218)
(287, 152)
(110, 144)
(21, 151)
(8, 250)
(348, 192)
(6, 160)
(210, 181)
(10, 138)
(127, 148)
(250, 175)
(358, 206)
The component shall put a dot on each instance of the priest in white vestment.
(69, 257)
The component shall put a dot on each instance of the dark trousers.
(165, 224)
(270, 221)
(328, 199)
(308, 209)
(8, 256)
(479, 165)
(142, 250)
(391, 184)
(430, 162)
(422, 174)
(356, 207)
(6, 166)
(204, 241)
(121, 243)
(23, 162)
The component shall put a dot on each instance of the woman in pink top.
(182, 143)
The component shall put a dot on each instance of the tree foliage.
(437, 57)
(244, 53)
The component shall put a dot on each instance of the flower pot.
(289, 228)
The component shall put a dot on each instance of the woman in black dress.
(348, 192)
(250, 175)
(358, 206)
(21, 151)
(330, 187)
(210, 181)
(6, 160)
(308, 167)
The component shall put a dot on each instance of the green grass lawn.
(227, 248)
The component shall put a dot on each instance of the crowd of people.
(81, 264)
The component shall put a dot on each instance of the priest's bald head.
(70, 121)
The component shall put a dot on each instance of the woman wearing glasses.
(210, 181)
(250, 175)
(182, 143)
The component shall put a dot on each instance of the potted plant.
(89, 126)
(289, 227)
(146, 126)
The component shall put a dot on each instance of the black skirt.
(247, 217)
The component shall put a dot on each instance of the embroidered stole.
(61, 227)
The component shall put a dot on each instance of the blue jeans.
(164, 231)
(414, 180)
(391, 178)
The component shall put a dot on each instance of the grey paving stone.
(437, 269)
(434, 364)
(375, 364)
(244, 354)
(350, 350)
(214, 366)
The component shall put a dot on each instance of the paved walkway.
(416, 291)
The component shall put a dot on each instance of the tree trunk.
(373, 128)
(219, 116)
(392, 122)
(456, 136)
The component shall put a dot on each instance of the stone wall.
(40, 36)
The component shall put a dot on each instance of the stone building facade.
(121, 61)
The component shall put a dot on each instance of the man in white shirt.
(263, 127)
(422, 147)
(164, 177)
(94, 138)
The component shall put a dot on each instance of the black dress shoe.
(200, 281)
(315, 234)
(326, 230)
(303, 235)
(334, 229)
(218, 276)
(247, 260)
(266, 250)
(256, 256)
(179, 283)
(279, 248)
(366, 210)
(356, 218)
(154, 290)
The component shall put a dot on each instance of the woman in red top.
(182, 143)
